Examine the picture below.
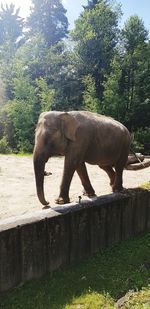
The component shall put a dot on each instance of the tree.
(32, 57)
(127, 88)
(49, 19)
(2, 93)
(95, 36)
(113, 103)
(104, 70)
(11, 25)
(20, 114)
(90, 99)
(45, 94)
(63, 76)
(135, 66)
(91, 4)
(11, 37)
(134, 34)
(18, 117)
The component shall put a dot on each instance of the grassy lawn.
(97, 282)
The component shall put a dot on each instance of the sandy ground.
(17, 185)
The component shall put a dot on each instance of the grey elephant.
(81, 137)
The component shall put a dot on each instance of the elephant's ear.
(69, 126)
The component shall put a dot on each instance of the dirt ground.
(17, 185)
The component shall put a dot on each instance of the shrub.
(141, 142)
(4, 148)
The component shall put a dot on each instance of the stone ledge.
(52, 211)
(33, 244)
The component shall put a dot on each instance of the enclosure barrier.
(34, 244)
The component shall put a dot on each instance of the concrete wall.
(34, 244)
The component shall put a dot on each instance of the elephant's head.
(53, 133)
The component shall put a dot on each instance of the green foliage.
(11, 38)
(134, 33)
(11, 25)
(23, 88)
(97, 282)
(112, 101)
(127, 91)
(21, 115)
(141, 142)
(46, 95)
(49, 19)
(62, 76)
(135, 68)
(2, 93)
(91, 4)
(4, 146)
(95, 36)
(90, 99)
(101, 69)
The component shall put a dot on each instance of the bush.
(21, 116)
(24, 146)
(4, 148)
(141, 142)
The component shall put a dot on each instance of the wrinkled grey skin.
(80, 137)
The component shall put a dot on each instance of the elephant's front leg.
(69, 169)
(82, 172)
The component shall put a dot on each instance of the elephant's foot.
(62, 200)
(47, 173)
(89, 194)
(46, 207)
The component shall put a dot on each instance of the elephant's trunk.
(39, 166)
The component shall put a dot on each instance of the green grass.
(19, 154)
(145, 186)
(95, 283)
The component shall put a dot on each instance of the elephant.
(80, 136)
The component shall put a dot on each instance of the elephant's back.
(108, 138)
(106, 126)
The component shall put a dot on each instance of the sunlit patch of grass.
(19, 154)
(145, 186)
(140, 299)
(22, 154)
(136, 300)
(91, 300)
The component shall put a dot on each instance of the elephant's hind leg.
(118, 183)
(110, 172)
(119, 167)
(83, 174)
